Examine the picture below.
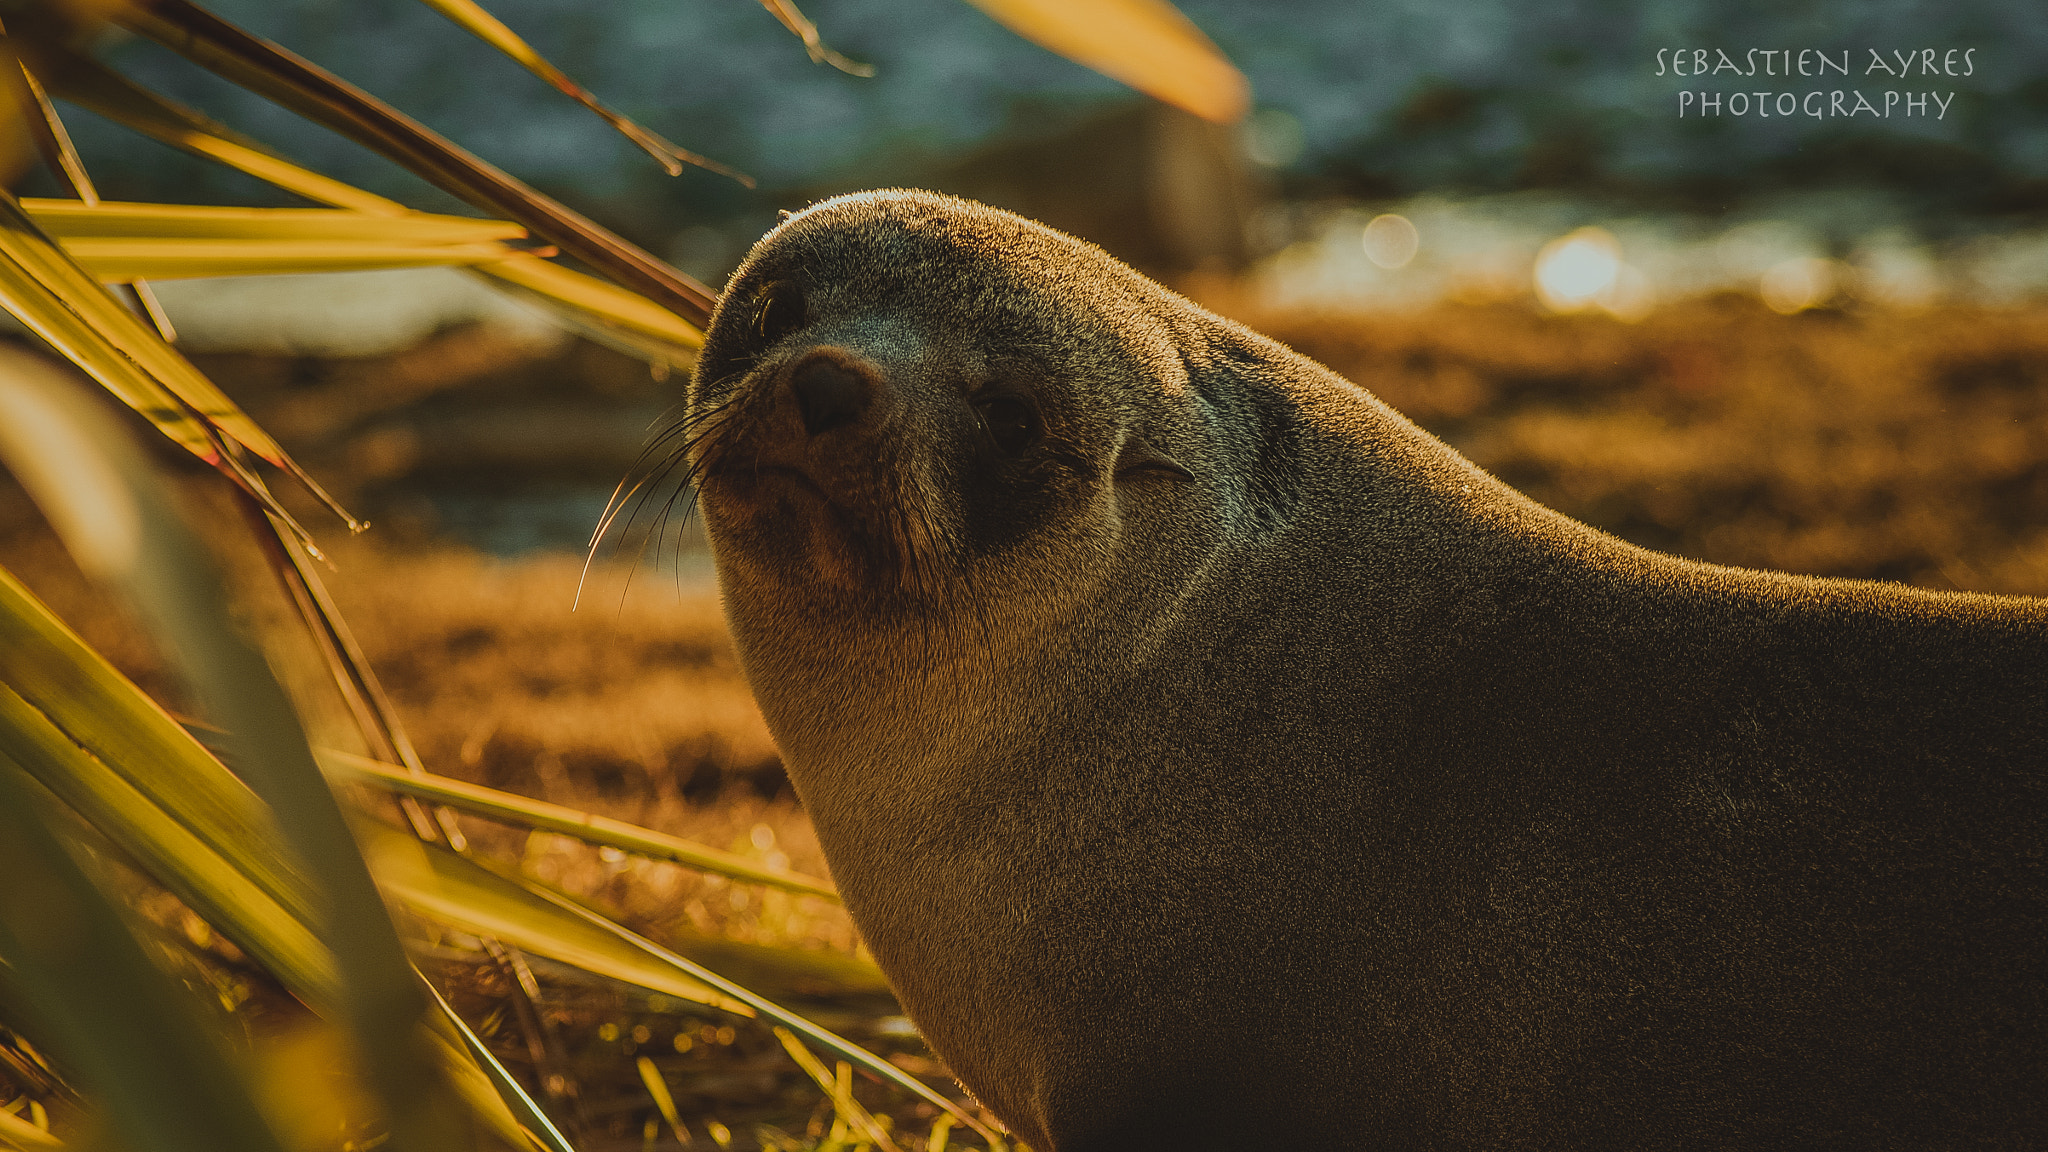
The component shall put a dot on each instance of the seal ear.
(1139, 456)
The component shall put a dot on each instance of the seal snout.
(829, 394)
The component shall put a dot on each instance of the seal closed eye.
(1214, 760)
(778, 311)
(1010, 421)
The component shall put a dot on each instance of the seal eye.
(778, 311)
(1011, 423)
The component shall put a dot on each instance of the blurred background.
(1559, 163)
(1628, 257)
(1562, 162)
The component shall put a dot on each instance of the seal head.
(891, 431)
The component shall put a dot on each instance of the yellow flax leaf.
(74, 219)
(1147, 44)
(64, 304)
(122, 258)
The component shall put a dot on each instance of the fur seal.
(1213, 759)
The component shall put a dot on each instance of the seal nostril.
(827, 396)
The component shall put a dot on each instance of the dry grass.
(636, 696)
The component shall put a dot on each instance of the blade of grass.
(657, 1089)
(153, 310)
(804, 30)
(543, 1038)
(79, 466)
(117, 330)
(658, 332)
(313, 92)
(463, 1056)
(209, 241)
(52, 139)
(1147, 44)
(75, 219)
(120, 242)
(62, 158)
(84, 81)
(584, 826)
(132, 1036)
(129, 258)
(18, 1133)
(441, 886)
(509, 1098)
(839, 1088)
(471, 16)
(378, 722)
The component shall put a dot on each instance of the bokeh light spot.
(1391, 241)
(1798, 284)
(1573, 271)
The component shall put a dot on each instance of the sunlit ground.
(1794, 253)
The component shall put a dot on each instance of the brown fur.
(1236, 765)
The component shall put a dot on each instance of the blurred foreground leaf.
(195, 871)
(142, 780)
(208, 869)
(188, 822)
(137, 775)
(108, 507)
(131, 1036)
(1147, 44)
